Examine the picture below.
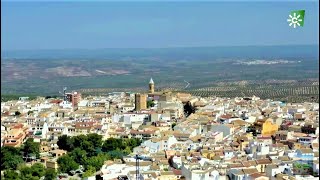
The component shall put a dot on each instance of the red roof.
(141, 132)
(120, 130)
(84, 125)
(56, 101)
(99, 127)
(264, 137)
(18, 137)
(226, 116)
(17, 126)
(10, 144)
(176, 172)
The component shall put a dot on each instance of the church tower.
(151, 86)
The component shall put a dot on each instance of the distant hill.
(45, 72)
(187, 53)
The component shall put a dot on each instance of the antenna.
(137, 157)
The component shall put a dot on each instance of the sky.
(99, 24)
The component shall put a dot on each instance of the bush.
(11, 174)
(50, 174)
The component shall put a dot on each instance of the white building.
(194, 172)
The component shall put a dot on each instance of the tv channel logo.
(296, 18)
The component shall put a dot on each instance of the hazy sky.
(91, 25)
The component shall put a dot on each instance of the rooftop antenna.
(137, 166)
(64, 93)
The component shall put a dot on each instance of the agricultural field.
(283, 93)
(307, 91)
(267, 71)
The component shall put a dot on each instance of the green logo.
(296, 18)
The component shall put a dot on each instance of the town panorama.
(159, 90)
(159, 135)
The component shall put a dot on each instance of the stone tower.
(151, 86)
(140, 101)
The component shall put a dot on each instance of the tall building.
(74, 98)
(140, 101)
(151, 86)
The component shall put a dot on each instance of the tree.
(31, 147)
(81, 142)
(94, 162)
(173, 125)
(11, 174)
(30, 177)
(150, 103)
(17, 113)
(35, 172)
(95, 139)
(133, 142)
(50, 174)
(66, 164)
(188, 108)
(104, 156)
(9, 149)
(10, 157)
(97, 161)
(66, 143)
(89, 148)
(115, 154)
(38, 170)
(89, 172)
(25, 171)
(127, 150)
(79, 155)
(112, 144)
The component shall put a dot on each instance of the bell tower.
(151, 86)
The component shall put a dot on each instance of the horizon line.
(172, 47)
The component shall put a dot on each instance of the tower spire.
(151, 81)
(151, 86)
